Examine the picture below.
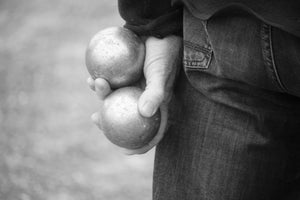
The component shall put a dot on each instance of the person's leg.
(286, 61)
(234, 134)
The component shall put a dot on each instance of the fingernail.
(89, 80)
(149, 109)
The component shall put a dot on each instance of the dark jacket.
(164, 17)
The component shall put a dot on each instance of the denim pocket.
(196, 56)
(282, 56)
(197, 52)
(231, 48)
(268, 55)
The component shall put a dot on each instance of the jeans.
(235, 117)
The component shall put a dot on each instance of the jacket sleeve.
(157, 18)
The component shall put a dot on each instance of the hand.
(162, 61)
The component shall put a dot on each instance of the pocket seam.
(207, 53)
(268, 55)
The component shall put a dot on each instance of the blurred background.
(49, 148)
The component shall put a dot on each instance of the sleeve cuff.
(168, 24)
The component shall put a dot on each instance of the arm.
(158, 18)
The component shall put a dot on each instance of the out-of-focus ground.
(49, 148)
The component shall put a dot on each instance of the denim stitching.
(273, 61)
(268, 55)
(200, 64)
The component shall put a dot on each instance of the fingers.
(151, 99)
(162, 129)
(156, 76)
(90, 81)
(102, 88)
(160, 68)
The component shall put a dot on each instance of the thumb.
(151, 98)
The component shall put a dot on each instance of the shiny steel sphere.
(117, 55)
(121, 122)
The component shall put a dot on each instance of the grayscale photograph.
(150, 100)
